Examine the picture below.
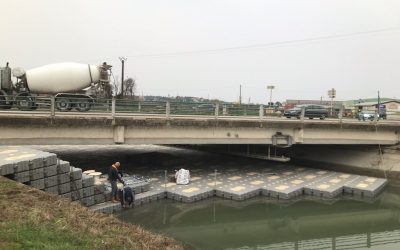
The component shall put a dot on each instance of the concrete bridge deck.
(78, 128)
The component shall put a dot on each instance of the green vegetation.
(32, 219)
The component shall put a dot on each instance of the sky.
(209, 48)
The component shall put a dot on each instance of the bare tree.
(129, 87)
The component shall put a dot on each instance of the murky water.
(267, 224)
(258, 223)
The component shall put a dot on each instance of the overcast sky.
(207, 48)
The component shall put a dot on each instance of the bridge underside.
(34, 130)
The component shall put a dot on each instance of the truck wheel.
(83, 106)
(63, 104)
(25, 102)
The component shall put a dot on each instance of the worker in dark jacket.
(113, 177)
(126, 196)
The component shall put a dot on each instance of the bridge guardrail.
(55, 106)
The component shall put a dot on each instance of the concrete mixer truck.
(70, 83)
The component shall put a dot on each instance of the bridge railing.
(55, 106)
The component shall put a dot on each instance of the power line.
(272, 44)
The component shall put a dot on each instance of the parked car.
(205, 108)
(310, 110)
(382, 113)
(366, 115)
(370, 115)
(348, 113)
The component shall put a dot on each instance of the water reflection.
(269, 224)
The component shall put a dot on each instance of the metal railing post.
(167, 109)
(216, 110)
(113, 103)
(341, 113)
(139, 107)
(303, 111)
(224, 110)
(53, 105)
(261, 111)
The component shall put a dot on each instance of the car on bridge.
(310, 110)
(205, 108)
(370, 115)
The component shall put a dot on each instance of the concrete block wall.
(80, 187)
(44, 171)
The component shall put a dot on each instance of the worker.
(126, 196)
(113, 177)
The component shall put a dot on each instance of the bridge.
(36, 128)
(112, 121)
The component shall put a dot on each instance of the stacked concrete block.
(99, 189)
(107, 195)
(21, 166)
(22, 177)
(53, 190)
(36, 174)
(99, 198)
(63, 178)
(76, 185)
(76, 194)
(63, 167)
(87, 180)
(76, 190)
(75, 173)
(51, 181)
(88, 191)
(64, 188)
(49, 159)
(88, 201)
(6, 168)
(42, 170)
(50, 171)
(38, 184)
(36, 163)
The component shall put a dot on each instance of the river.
(258, 223)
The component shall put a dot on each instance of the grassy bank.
(32, 219)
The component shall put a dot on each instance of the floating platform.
(283, 182)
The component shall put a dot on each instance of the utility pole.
(240, 95)
(122, 59)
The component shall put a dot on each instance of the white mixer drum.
(61, 77)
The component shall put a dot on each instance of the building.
(392, 105)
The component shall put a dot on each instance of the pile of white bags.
(182, 177)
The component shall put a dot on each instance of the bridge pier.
(119, 134)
